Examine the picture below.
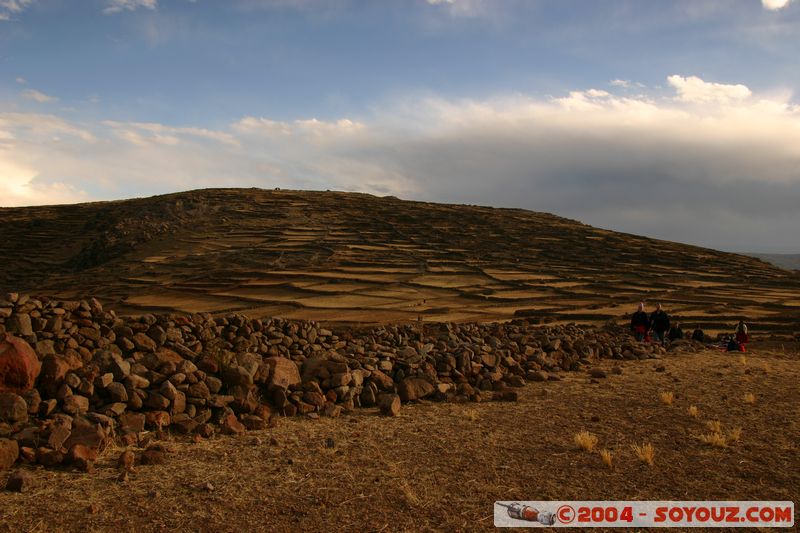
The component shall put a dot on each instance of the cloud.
(710, 163)
(33, 94)
(694, 89)
(774, 5)
(12, 7)
(21, 80)
(116, 6)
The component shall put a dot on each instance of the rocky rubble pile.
(73, 375)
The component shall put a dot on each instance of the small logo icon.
(530, 514)
(565, 514)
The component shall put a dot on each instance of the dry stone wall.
(74, 375)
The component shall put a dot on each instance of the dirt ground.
(440, 467)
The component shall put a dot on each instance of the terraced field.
(356, 258)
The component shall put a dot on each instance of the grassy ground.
(440, 467)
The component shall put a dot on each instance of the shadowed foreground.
(441, 466)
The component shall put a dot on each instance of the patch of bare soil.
(440, 467)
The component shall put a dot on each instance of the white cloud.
(115, 6)
(33, 94)
(651, 164)
(694, 89)
(21, 80)
(774, 5)
(12, 7)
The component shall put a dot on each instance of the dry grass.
(749, 397)
(735, 434)
(646, 452)
(586, 441)
(743, 359)
(471, 415)
(667, 397)
(693, 411)
(607, 457)
(715, 426)
(715, 439)
(766, 367)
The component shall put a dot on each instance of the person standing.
(675, 332)
(741, 333)
(640, 324)
(659, 322)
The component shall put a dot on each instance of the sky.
(678, 120)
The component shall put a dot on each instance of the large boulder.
(415, 388)
(19, 366)
(283, 372)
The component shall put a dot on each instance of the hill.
(787, 261)
(356, 258)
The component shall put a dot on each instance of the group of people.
(657, 327)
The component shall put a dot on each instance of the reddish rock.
(389, 404)
(19, 365)
(19, 481)
(126, 460)
(153, 456)
(253, 422)
(143, 343)
(9, 452)
(131, 422)
(90, 435)
(13, 408)
(82, 457)
(283, 372)
(332, 410)
(157, 419)
(230, 425)
(382, 380)
(59, 433)
(54, 370)
(415, 388)
(49, 458)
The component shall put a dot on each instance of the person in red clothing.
(640, 323)
(741, 334)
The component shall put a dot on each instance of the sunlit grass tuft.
(667, 397)
(586, 441)
(607, 457)
(715, 426)
(749, 397)
(646, 453)
(693, 411)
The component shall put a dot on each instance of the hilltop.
(356, 258)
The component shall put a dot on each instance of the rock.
(616, 370)
(230, 425)
(9, 453)
(49, 458)
(19, 481)
(537, 375)
(117, 392)
(82, 457)
(153, 456)
(143, 343)
(389, 404)
(58, 435)
(75, 404)
(19, 365)
(13, 408)
(90, 435)
(283, 372)
(20, 324)
(54, 370)
(597, 373)
(253, 422)
(415, 388)
(332, 410)
(126, 460)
